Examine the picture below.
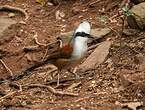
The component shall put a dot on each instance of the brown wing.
(64, 52)
(58, 58)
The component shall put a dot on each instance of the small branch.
(117, 33)
(11, 93)
(123, 21)
(45, 45)
(62, 80)
(37, 42)
(31, 48)
(91, 3)
(14, 9)
(51, 89)
(74, 85)
(94, 2)
(7, 68)
(52, 11)
(139, 38)
(46, 52)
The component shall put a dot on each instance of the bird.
(72, 53)
(69, 55)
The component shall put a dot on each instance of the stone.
(5, 23)
(97, 57)
(6, 33)
(138, 12)
(130, 32)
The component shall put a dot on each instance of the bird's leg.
(74, 72)
(59, 71)
(75, 69)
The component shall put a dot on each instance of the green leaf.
(126, 11)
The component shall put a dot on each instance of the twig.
(7, 68)
(117, 33)
(114, 16)
(139, 38)
(51, 89)
(114, 4)
(45, 54)
(63, 80)
(31, 48)
(11, 93)
(74, 85)
(52, 11)
(45, 45)
(96, 1)
(37, 42)
(91, 3)
(11, 8)
(123, 21)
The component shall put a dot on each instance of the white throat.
(79, 47)
(80, 42)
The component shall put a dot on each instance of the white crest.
(84, 26)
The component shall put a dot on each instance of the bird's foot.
(74, 72)
(76, 75)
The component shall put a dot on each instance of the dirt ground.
(117, 81)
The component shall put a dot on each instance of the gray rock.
(97, 57)
(100, 32)
(4, 24)
(6, 33)
(139, 14)
(130, 32)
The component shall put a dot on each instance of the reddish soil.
(119, 79)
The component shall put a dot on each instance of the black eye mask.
(83, 34)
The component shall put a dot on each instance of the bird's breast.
(79, 52)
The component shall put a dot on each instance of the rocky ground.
(116, 82)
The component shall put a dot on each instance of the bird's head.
(82, 32)
(80, 40)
